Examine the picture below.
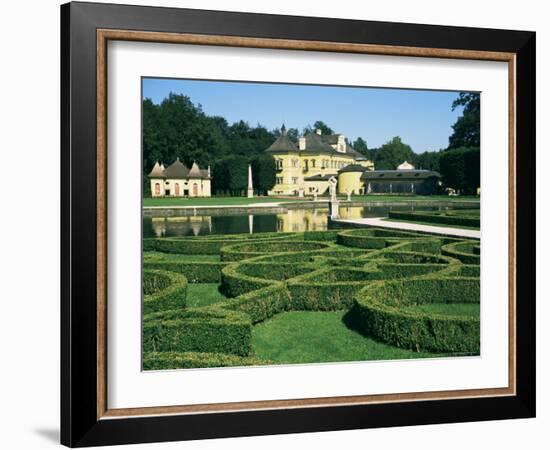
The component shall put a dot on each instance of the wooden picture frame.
(85, 417)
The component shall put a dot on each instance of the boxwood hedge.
(163, 290)
(211, 330)
(192, 360)
(437, 218)
(377, 275)
(378, 312)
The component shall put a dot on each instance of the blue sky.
(423, 119)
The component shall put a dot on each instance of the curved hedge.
(381, 277)
(163, 290)
(379, 312)
(373, 238)
(194, 271)
(210, 330)
(463, 250)
(193, 360)
(247, 250)
(437, 218)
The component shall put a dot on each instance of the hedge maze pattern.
(395, 287)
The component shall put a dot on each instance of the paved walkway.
(380, 222)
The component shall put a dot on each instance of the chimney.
(302, 143)
(341, 146)
(318, 131)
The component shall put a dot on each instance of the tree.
(263, 172)
(466, 129)
(177, 128)
(427, 160)
(237, 168)
(318, 125)
(460, 169)
(361, 146)
(392, 153)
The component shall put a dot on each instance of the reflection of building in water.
(181, 226)
(313, 219)
(302, 220)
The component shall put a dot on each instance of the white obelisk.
(250, 189)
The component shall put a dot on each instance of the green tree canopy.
(263, 172)
(460, 169)
(466, 129)
(392, 153)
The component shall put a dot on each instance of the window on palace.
(312, 163)
(279, 180)
(294, 163)
(279, 164)
(157, 188)
(294, 180)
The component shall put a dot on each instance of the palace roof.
(314, 143)
(399, 175)
(178, 170)
(353, 168)
(282, 143)
(158, 171)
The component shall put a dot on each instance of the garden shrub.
(209, 329)
(462, 250)
(444, 219)
(251, 249)
(234, 283)
(261, 304)
(192, 360)
(163, 290)
(379, 276)
(194, 271)
(378, 312)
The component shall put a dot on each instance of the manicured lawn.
(211, 201)
(242, 201)
(158, 256)
(203, 294)
(433, 224)
(313, 336)
(448, 309)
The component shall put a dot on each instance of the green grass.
(159, 256)
(431, 224)
(313, 336)
(243, 201)
(447, 309)
(203, 294)
(211, 201)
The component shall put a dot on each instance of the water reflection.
(291, 221)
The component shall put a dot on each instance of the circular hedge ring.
(391, 312)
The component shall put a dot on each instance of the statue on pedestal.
(333, 205)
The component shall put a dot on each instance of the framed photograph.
(277, 224)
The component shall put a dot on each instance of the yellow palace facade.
(305, 168)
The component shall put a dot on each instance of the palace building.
(177, 180)
(306, 167)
